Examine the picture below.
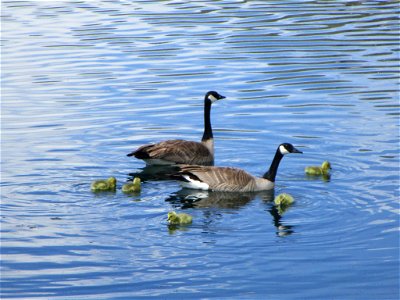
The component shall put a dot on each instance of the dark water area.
(86, 82)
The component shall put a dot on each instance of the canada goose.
(132, 187)
(226, 179)
(179, 219)
(316, 170)
(109, 184)
(180, 151)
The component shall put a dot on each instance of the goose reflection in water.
(187, 198)
(155, 173)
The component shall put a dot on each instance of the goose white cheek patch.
(212, 98)
(283, 150)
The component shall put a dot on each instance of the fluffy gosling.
(283, 202)
(106, 185)
(179, 219)
(132, 187)
(316, 170)
(283, 199)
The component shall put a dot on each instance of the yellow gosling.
(322, 170)
(283, 202)
(109, 184)
(179, 219)
(132, 187)
(284, 199)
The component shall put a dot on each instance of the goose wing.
(178, 151)
(220, 178)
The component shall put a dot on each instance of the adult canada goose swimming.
(226, 179)
(172, 152)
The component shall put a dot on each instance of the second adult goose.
(227, 179)
(172, 152)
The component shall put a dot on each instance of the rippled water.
(86, 82)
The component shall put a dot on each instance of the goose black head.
(286, 148)
(214, 96)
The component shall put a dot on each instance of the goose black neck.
(208, 134)
(273, 169)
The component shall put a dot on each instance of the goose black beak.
(221, 97)
(296, 150)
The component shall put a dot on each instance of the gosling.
(107, 185)
(179, 219)
(283, 199)
(132, 187)
(283, 202)
(316, 170)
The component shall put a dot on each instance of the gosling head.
(112, 181)
(213, 96)
(326, 165)
(286, 148)
(173, 217)
(136, 182)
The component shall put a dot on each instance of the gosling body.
(324, 169)
(132, 187)
(284, 199)
(283, 202)
(179, 219)
(109, 184)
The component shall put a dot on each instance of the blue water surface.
(86, 82)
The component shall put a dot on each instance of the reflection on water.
(150, 172)
(323, 177)
(195, 198)
(85, 82)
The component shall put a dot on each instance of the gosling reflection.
(323, 177)
(172, 229)
(281, 230)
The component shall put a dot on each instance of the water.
(86, 82)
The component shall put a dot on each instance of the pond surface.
(86, 82)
